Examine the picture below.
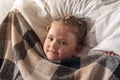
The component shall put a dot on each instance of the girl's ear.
(48, 28)
(78, 48)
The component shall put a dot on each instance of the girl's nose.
(54, 44)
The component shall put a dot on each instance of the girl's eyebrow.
(60, 38)
(63, 39)
(50, 35)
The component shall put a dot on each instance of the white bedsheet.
(102, 15)
(107, 29)
(5, 7)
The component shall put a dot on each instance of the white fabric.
(5, 7)
(102, 15)
(107, 29)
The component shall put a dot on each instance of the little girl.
(65, 38)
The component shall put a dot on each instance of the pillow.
(39, 13)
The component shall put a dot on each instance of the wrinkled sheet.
(21, 57)
(5, 7)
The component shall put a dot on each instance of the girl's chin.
(52, 58)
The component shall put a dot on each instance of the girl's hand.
(111, 53)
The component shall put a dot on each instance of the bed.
(22, 32)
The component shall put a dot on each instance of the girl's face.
(60, 43)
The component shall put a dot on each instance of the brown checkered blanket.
(21, 57)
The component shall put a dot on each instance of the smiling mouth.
(53, 52)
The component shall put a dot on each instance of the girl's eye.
(50, 38)
(62, 42)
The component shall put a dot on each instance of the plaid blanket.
(22, 57)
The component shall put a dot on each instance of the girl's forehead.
(57, 23)
(61, 32)
(70, 28)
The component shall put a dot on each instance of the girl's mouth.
(53, 52)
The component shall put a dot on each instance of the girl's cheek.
(62, 51)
